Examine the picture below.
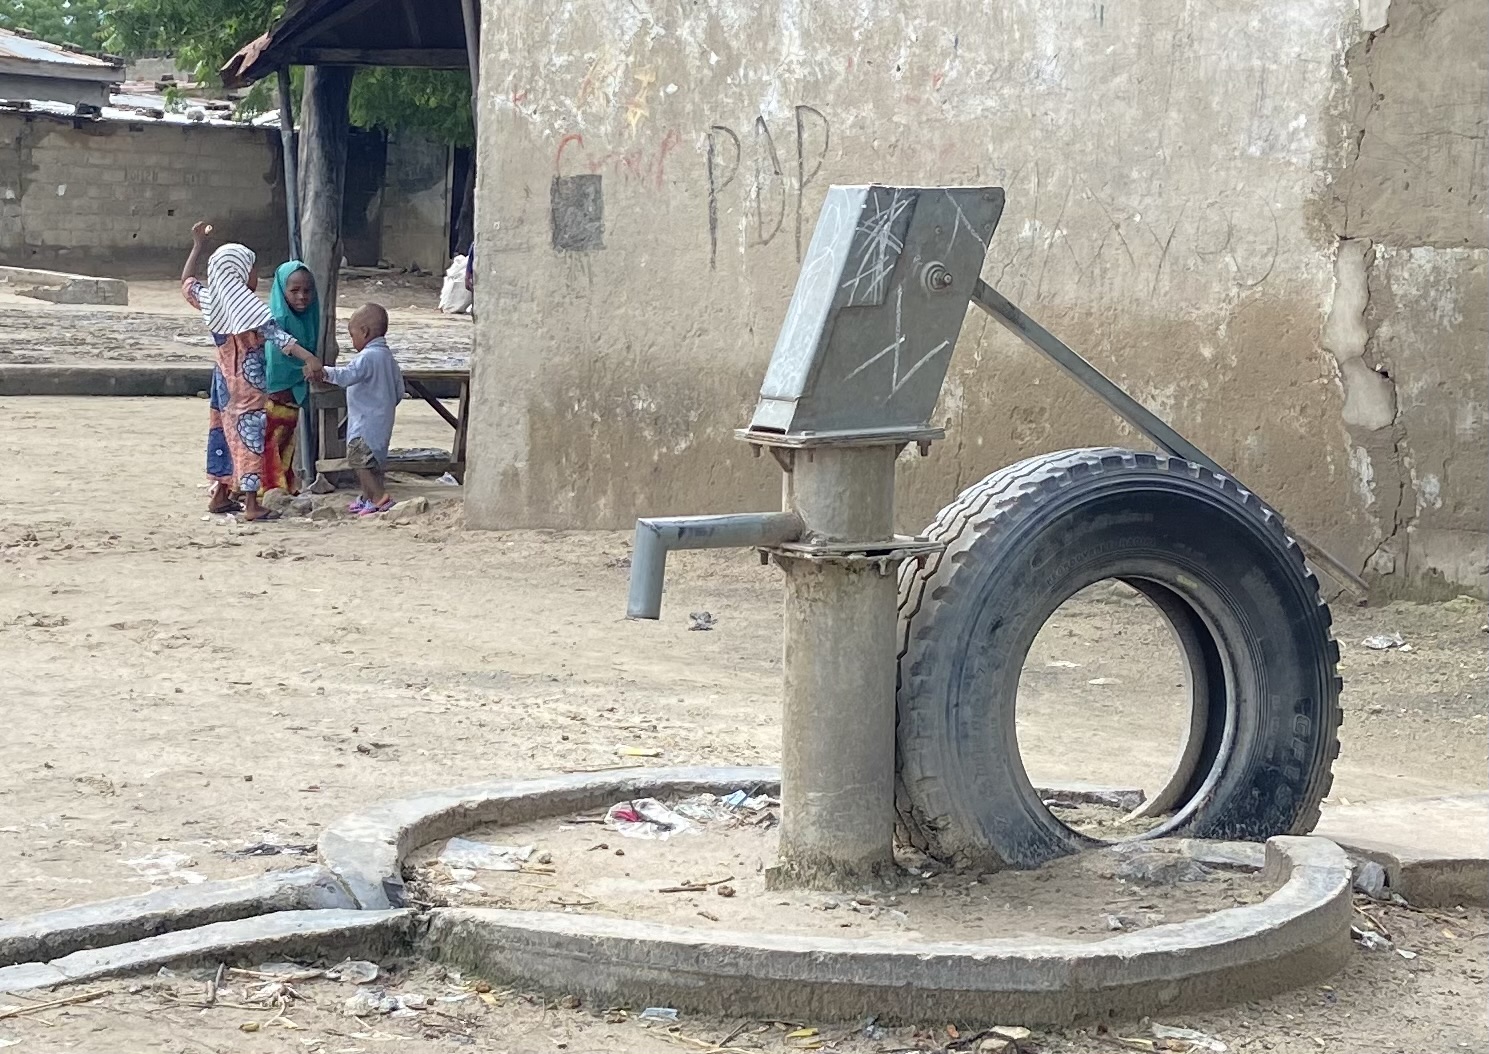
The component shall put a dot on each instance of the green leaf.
(204, 34)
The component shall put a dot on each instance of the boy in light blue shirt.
(374, 388)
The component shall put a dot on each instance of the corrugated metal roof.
(14, 46)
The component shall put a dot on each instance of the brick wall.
(118, 198)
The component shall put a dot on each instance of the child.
(239, 457)
(374, 387)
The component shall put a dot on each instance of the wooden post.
(324, 123)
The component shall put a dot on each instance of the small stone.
(404, 511)
(482, 986)
(1013, 1033)
(247, 779)
(724, 891)
(570, 1002)
(994, 1044)
(1151, 868)
(545, 858)
(364, 748)
(620, 852)
(1370, 879)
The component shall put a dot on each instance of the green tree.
(74, 23)
(434, 102)
(204, 34)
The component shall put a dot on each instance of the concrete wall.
(115, 197)
(416, 204)
(118, 197)
(1249, 213)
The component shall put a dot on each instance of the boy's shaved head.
(372, 319)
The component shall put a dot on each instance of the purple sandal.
(369, 509)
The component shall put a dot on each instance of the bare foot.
(253, 511)
(222, 501)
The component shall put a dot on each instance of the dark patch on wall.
(361, 205)
(578, 213)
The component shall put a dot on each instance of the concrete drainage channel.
(348, 907)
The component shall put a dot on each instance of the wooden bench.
(328, 406)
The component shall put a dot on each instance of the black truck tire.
(1209, 555)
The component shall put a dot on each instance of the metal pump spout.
(657, 536)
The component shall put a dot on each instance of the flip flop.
(358, 507)
(373, 510)
(230, 507)
(267, 516)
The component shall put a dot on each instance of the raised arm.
(199, 233)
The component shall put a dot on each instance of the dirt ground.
(712, 875)
(175, 687)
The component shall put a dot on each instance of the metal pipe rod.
(655, 537)
(1136, 414)
(838, 669)
(304, 431)
(287, 145)
(470, 15)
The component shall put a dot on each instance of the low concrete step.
(1435, 850)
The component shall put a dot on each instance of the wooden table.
(328, 408)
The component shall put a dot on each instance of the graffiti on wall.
(763, 169)
(646, 165)
(771, 181)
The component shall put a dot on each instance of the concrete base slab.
(313, 935)
(1072, 792)
(60, 287)
(177, 380)
(1298, 935)
(171, 379)
(1435, 850)
(52, 934)
(25, 976)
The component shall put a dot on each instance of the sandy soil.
(159, 327)
(175, 685)
(592, 869)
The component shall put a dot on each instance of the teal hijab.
(280, 371)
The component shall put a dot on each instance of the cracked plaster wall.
(1180, 179)
(1407, 324)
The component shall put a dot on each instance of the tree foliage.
(204, 34)
(73, 23)
(434, 102)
